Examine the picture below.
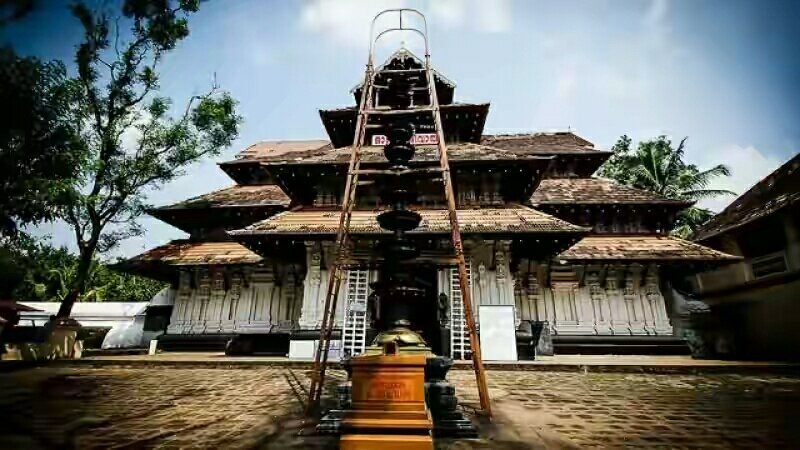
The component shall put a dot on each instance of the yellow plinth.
(388, 404)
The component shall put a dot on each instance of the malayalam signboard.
(417, 139)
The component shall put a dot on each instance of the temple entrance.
(424, 315)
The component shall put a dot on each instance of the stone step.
(385, 441)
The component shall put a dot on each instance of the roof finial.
(403, 45)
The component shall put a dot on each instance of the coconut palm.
(658, 167)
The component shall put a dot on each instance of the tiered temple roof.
(511, 220)
(584, 191)
(533, 189)
(642, 249)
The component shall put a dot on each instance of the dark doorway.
(423, 315)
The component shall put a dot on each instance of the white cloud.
(656, 14)
(346, 22)
(493, 16)
(748, 166)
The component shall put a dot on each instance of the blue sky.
(725, 73)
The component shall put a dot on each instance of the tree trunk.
(79, 284)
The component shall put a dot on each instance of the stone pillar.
(620, 324)
(655, 299)
(180, 309)
(264, 294)
(200, 302)
(310, 314)
(601, 308)
(213, 316)
(504, 288)
(633, 301)
(244, 304)
(228, 323)
(570, 307)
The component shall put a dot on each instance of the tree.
(118, 96)
(32, 270)
(40, 147)
(658, 167)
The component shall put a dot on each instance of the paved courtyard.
(173, 407)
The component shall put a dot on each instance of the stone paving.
(173, 407)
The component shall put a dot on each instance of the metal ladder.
(459, 332)
(366, 110)
(354, 329)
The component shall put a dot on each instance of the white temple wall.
(604, 300)
(492, 280)
(315, 288)
(583, 300)
(253, 300)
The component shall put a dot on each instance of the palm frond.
(705, 193)
(703, 179)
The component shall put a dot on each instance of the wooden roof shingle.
(184, 252)
(519, 219)
(642, 248)
(595, 191)
(542, 143)
(234, 196)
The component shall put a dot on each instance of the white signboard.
(307, 350)
(417, 139)
(498, 333)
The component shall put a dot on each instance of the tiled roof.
(642, 248)
(255, 195)
(542, 143)
(518, 219)
(594, 190)
(182, 252)
(267, 150)
(374, 154)
(778, 190)
(507, 146)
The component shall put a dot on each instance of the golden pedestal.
(388, 404)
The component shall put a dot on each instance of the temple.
(581, 256)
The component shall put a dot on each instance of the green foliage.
(40, 148)
(34, 271)
(657, 166)
(119, 97)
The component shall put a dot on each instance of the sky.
(722, 72)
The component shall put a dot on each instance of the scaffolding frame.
(343, 242)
